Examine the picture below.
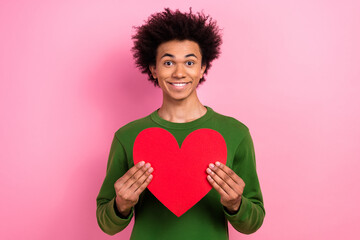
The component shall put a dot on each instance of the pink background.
(289, 70)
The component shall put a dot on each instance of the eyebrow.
(172, 56)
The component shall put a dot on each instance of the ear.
(152, 69)
(203, 68)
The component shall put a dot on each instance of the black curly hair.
(174, 25)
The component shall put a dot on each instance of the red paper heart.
(179, 180)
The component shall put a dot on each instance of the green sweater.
(205, 220)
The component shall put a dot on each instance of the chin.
(177, 97)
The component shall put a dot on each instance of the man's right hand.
(129, 187)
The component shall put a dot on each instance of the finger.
(223, 175)
(133, 170)
(216, 186)
(229, 172)
(142, 187)
(135, 177)
(230, 177)
(220, 182)
(127, 192)
(136, 184)
(121, 181)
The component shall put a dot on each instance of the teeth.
(179, 84)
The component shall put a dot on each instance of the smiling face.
(178, 69)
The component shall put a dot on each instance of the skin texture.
(129, 187)
(179, 62)
(228, 184)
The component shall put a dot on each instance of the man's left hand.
(228, 184)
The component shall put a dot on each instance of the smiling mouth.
(179, 84)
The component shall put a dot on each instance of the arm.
(120, 190)
(243, 205)
(109, 220)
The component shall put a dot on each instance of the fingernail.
(208, 170)
(209, 177)
(150, 170)
(151, 176)
(217, 164)
(211, 165)
(141, 163)
(147, 165)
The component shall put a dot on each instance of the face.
(178, 69)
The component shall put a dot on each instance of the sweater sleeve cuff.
(240, 215)
(115, 215)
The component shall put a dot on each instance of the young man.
(176, 49)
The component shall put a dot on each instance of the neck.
(181, 111)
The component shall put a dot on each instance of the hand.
(228, 184)
(129, 187)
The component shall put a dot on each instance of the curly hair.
(174, 25)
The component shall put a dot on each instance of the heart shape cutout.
(179, 180)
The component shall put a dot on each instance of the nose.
(179, 71)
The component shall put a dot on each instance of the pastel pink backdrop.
(289, 70)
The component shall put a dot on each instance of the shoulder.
(230, 123)
(133, 127)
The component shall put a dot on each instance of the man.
(176, 49)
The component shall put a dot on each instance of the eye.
(168, 63)
(189, 63)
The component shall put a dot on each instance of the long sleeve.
(251, 213)
(107, 216)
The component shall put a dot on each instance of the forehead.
(178, 48)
